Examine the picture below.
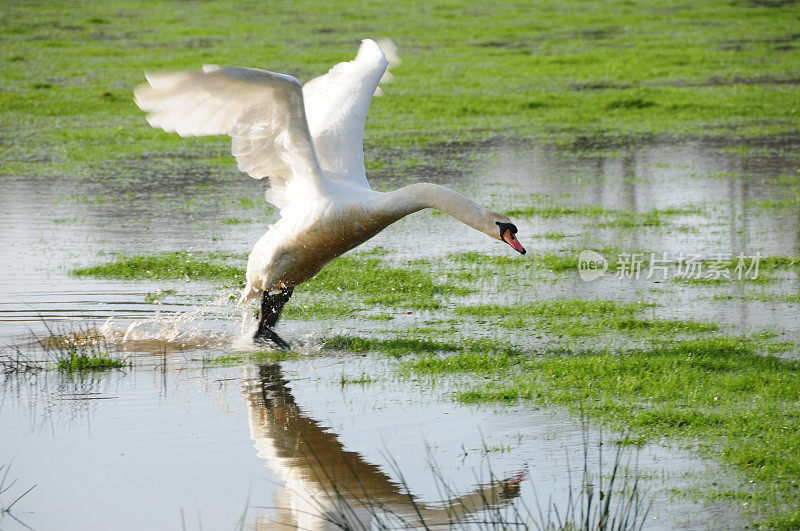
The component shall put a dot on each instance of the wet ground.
(176, 438)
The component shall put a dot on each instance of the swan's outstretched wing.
(262, 111)
(337, 104)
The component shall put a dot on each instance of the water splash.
(218, 323)
(199, 327)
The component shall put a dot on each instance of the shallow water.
(174, 438)
(135, 449)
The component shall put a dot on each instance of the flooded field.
(202, 429)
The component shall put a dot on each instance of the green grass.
(76, 360)
(238, 358)
(484, 259)
(759, 295)
(165, 266)
(702, 272)
(555, 262)
(236, 221)
(158, 296)
(314, 307)
(74, 349)
(371, 280)
(552, 235)
(589, 74)
(586, 318)
(738, 404)
(554, 211)
(558, 308)
(610, 217)
(363, 379)
(396, 347)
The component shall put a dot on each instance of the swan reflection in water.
(323, 483)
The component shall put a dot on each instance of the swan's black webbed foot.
(266, 335)
(268, 315)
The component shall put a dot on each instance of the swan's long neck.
(415, 197)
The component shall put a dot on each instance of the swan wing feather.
(337, 104)
(262, 111)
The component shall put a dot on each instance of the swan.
(308, 140)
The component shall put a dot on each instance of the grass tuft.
(8, 499)
(74, 361)
(81, 349)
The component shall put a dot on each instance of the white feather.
(337, 104)
(262, 111)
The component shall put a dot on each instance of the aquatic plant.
(75, 348)
(362, 379)
(79, 349)
(8, 500)
(14, 361)
(72, 360)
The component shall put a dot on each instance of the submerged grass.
(237, 358)
(642, 264)
(721, 269)
(362, 379)
(316, 307)
(397, 347)
(737, 403)
(81, 350)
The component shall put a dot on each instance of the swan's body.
(309, 141)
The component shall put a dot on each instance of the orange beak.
(512, 240)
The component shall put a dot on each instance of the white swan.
(309, 141)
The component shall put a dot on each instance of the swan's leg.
(268, 315)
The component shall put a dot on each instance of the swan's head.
(502, 229)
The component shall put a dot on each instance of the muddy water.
(174, 440)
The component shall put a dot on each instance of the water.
(134, 449)
(177, 440)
